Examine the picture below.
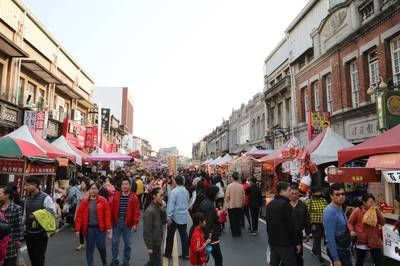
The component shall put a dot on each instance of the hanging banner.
(30, 119)
(74, 133)
(317, 122)
(105, 119)
(35, 169)
(91, 137)
(391, 242)
(11, 166)
(392, 176)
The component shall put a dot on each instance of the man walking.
(177, 218)
(35, 236)
(255, 203)
(301, 221)
(125, 213)
(234, 198)
(139, 189)
(337, 234)
(316, 206)
(280, 228)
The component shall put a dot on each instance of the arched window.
(262, 126)
(258, 129)
(252, 130)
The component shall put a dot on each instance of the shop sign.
(105, 119)
(74, 133)
(52, 128)
(388, 109)
(392, 176)
(91, 137)
(362, 130)
(317, 122)
(62, 161)
(11, 166)
(353, 175)
(34, 169)
(391, 242)
(30, 119)
(9, 114)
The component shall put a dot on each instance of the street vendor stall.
(63, 144)
(382, 154)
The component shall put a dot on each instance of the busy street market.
(303, 168)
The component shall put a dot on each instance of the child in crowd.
(198, 244)
(222, 214)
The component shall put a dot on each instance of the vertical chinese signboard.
(91, 137)
(74, 133)
(317, 122)
(105, 119)
(36, 121)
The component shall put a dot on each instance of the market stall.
(63, 144)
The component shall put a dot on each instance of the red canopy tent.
(387, 142)
(275, 158)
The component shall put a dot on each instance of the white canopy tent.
(327, 150)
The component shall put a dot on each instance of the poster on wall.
(391, 242)
(30, 119)
(317, 122)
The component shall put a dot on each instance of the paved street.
(248, 250)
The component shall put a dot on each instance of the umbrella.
(10, 147)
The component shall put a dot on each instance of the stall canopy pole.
(99, 127)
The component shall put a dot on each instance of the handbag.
(344, 240)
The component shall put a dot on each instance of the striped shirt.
(123, 206)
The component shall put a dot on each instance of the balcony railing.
(278, 87)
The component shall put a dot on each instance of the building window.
(30, 94)
(258, 129)
(20, 92)
(41, 98)
(262, 126)
(355, 86)
(304, 105)
(395, 51)
(328, 93)
(366, 10)
(280, 113)
(316, 97)
(1, 76)
(288, 113)
(333, 3)
(373, 71)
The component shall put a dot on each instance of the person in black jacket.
(207, 208)
(284, 244)
(301, 220)
(255, 203)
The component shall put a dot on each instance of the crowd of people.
(110, 207)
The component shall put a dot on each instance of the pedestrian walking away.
(369, 236)
(84, 186)
(139, 189)
(316, 206)
(125, 213)
(301, 221)
(153, 226)
(93, 220)
(35, 236)
(282, 238)
(13, 215)
(234, 199)
(255, 203)
(177, 218)
(337, 234)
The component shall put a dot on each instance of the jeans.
(376, 255)
(344, 257)
(317, 236)
(36, 244)
(284, 255)
(235, 214)
(118, 230)
(182, 228)
(94, 238)
(254, 211)
(246, 213)
(155, 259)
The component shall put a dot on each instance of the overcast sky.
(189, 62)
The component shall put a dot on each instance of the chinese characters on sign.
(392, 176)
(91, 137)
(33, 169)
(391, 242)
(317, 122)
(362, 130)
(11, 167)
(30, 119)
(105, 119)
(353, 175)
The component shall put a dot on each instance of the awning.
(384, 161)
(387, 142)
(9, 48)
(68, 91)
(39, 70)
(63, 144)
(275, 158)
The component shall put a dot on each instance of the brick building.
(353, 47)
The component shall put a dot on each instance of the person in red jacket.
(125, 210)
(369, 238)
(197, 254)
(93, 220)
